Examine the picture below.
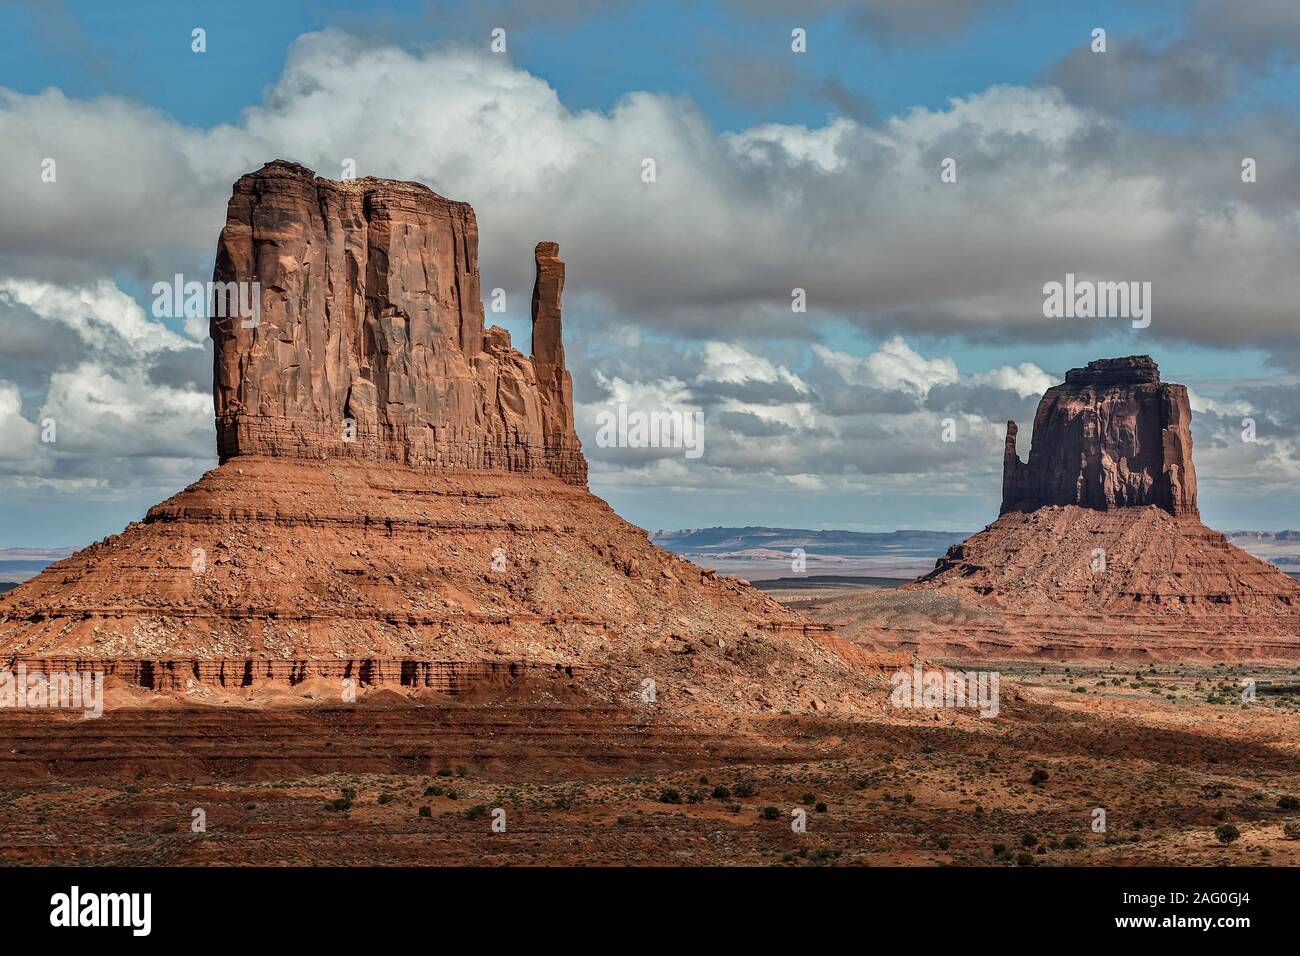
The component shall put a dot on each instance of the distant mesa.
(1111, 436)
(1099, 552)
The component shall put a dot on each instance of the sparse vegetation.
(1227, 833)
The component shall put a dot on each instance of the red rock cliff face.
(370, 341)
(1112, 436)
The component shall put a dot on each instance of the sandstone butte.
(402, 499)
(1099, 552)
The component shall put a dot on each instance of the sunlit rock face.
(1112, 436)
(369, 342)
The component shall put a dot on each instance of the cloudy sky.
(775, 170)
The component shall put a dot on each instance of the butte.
(1099, 553)
(402, 499)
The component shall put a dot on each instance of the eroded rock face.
(1099, 553)
(370, 341)
(1112, 436)
(453, 543)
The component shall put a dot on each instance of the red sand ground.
(583, 783)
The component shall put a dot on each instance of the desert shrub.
(1226, 833)
(821, 808)
(386, 798)
(1037, 777)
(745, 788)
(444, 771)
(1024, 859)
(809, 798)
(341, 805)
(1072, 842)
(426, 811)
(670, 795)
(476, 812)
(721, 793)
(1288, 803)
(770, 813)
(1028, 839)
(1292, 830)
(433, 791)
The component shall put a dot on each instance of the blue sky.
(1183, 89)
(141, 50)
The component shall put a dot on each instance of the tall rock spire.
(548, 291)
(554, 383)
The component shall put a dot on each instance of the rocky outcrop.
(453, 542)
(1111, 436)
(369, 341)
(1099, 553)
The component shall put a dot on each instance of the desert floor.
(1170, 755)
